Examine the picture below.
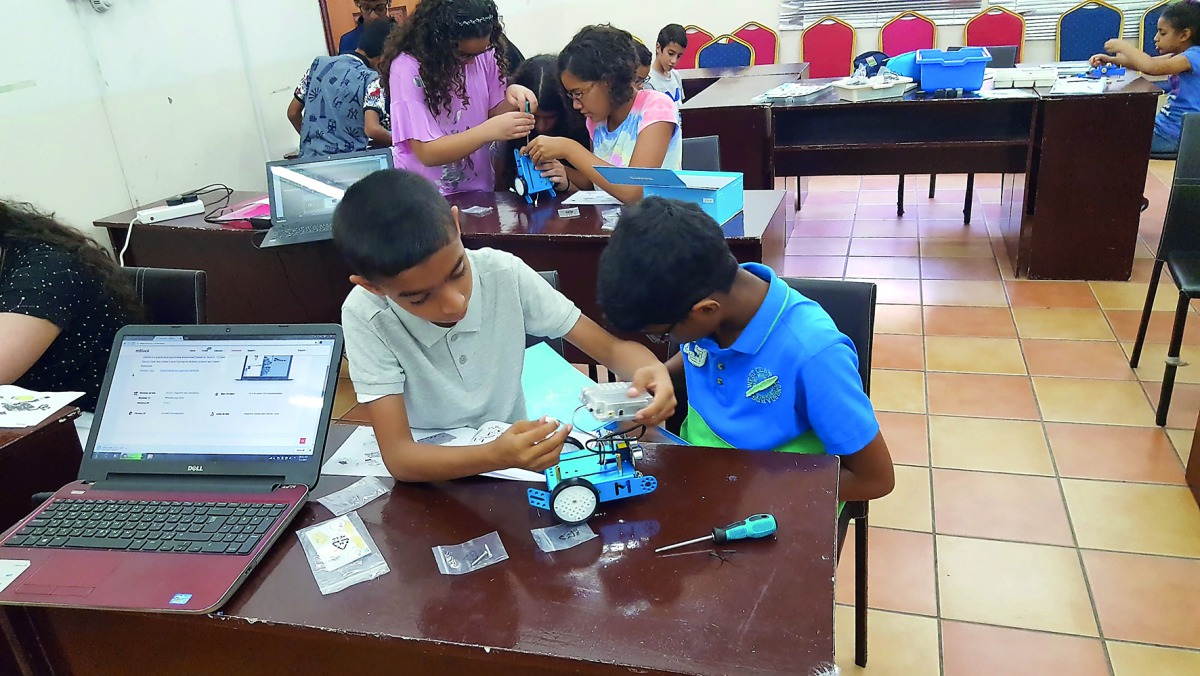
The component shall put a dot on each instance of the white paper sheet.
(591, 197)
(1072, 86)
(20, 407)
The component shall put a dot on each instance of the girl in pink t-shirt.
(445, 70)
(629, 128)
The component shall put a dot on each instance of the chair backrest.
(995, 27)
(725, 51)
(828, 47)
(1180, 231)
(1003, 56)
(851, 305)
(550, 276)
(697, 37)
(763, 40)
(170, 296)
(702, 153)
(907, 32)
(1149, 26)
(1083, 30)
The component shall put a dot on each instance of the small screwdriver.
(757, 526)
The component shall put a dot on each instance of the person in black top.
(62, 301)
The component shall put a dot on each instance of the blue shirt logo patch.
(763, 386)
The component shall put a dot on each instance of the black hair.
(431, 36)
(540, 75)
(672, 32)
(373, 36)
(645, 58)
(1184, 14)
(389, 222)
(603, 54)
(663, 257)
(22, 223)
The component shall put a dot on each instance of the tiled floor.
(1040, 522)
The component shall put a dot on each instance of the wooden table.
(609, 605)
(308, 282)
(696, 80)
(37, 459)
(1192, 472)
(34, 460)
(1072, 189)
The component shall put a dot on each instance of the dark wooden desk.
(37, 459)
(609, 605)
(308, 282)
(696, 80)
(1072, 188)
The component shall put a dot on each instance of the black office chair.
(852, 307)
(1179, 250)
(702, 153)
(170, 296)
(555, 343)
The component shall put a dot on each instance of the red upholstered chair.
(697, 37)
(996, 27)
(906, 32)
(764, 41)
(828, 47)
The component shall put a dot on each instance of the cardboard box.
(719, 193)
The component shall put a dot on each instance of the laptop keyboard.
(150, 526)
(297, 231)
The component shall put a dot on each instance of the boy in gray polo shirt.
(435, 334)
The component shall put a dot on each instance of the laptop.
(303, 193)
(190, 473)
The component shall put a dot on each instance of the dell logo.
(195, 468)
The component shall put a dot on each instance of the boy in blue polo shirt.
(765, 367)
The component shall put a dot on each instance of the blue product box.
(719, 193)
(962, 69)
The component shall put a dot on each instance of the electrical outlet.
(168, 213)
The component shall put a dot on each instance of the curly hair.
(431, 36)
(21, 222)
(603, 54)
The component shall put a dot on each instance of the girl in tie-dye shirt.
(629, 128)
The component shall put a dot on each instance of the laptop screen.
(209, 398)
(308, 191)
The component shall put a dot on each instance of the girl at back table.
(1178, 44)
(555, 117)
(629, 128)
(445, 70)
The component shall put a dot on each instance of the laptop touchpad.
(74, 580)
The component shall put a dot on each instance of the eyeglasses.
(375, 8)
(642, 80)
(578, 94)
(662, 338)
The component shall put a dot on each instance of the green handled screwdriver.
(757, 526)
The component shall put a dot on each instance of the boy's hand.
(532, 445)
(657, 381)
(519, 95)
(509, 126)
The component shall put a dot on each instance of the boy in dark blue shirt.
(765, 368)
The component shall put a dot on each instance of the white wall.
(149, 99)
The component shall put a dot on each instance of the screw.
(487, 553)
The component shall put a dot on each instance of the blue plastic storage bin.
(962, 69)
(905, 65)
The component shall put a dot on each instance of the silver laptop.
(303, 193)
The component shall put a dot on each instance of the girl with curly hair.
(445, 70)
(629, 128)
(62, 301)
